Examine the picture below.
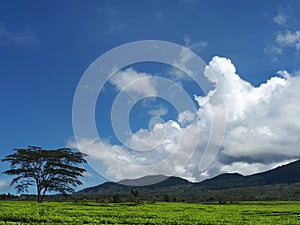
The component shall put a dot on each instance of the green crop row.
(26, 212)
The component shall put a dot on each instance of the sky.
(251, 50)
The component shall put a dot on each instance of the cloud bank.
(262, 129)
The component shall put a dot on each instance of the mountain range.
(265, 185)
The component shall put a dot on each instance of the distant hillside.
(129, 184)
(147, 180)
(289, 173)
(265, 185)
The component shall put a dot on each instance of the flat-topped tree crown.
(48, 170)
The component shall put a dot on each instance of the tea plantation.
(88, 212)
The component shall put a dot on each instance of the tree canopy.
(48, 170)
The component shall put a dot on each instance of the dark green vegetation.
(48, 170)
(282, 183)
(285, 174)
(27, 212)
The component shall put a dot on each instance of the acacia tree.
(48, 170)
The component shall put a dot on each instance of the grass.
(26, 212)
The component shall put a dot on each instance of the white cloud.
(186, 117)
(289, 38)
(261, 121)
(198, 46)
(186, 60)
(4, 185)
(87, 174)
(134, 83)
(20, 37)
(273, 50)
(180, 65)
(246, 168)
(120, 163)
(280, 19)
(284, 38)
(284, 74)
(262, 130)
(157, 112)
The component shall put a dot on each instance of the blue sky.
(46, 46)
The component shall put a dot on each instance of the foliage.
(88, 212)
(48, 170)
(190, 193)
(135, 192)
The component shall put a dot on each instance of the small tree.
(135, 193)
(48, 170)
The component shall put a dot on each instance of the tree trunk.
(39, 196)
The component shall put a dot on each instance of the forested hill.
(269, 184)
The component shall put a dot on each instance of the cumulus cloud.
(289, 38)
(120, 162)
(280, 19)
(134, 83)
(259, 119)
(262, 130)
(186, 117)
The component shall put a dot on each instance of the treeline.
(180, 194)
(192, 194)
(33, 197)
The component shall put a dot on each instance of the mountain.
(147, 180)
(289, 173)
(282, 183)
(223, 181)
(145, 183)
(104, 189)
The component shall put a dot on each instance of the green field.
(26, 212)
